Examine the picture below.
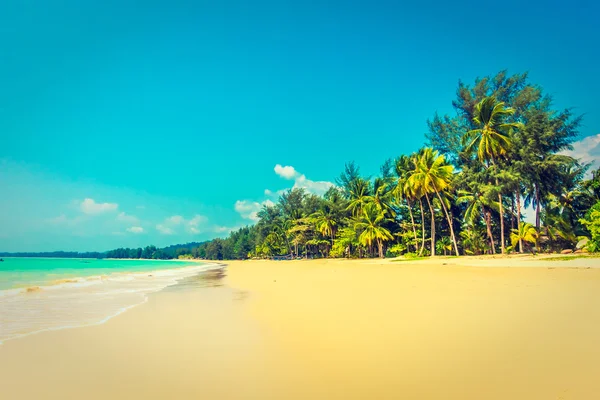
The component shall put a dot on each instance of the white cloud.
(61, 219)
(131, 219)
(135, 229)
(64, 220)
(586, 150)
(287, 172)
(175, 223)
(300, 181)
(197, 220)
(249, 209)
(316, 187)
(89, 206)
(175, 219)
(194, 223)
(165, 230)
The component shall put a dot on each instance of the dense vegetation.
(464, 193)
(149, 252)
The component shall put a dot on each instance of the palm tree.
(526, 232)
(473, 240)
(445, 245)
(370, 222)
(360, 194)
(433, 175)
(491, 139)
(479, 203)
(404, 190)
(281, 227)
(382, 196)
(326, 222)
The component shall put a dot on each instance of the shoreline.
(107, 295)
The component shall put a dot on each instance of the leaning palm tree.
(491, 139)
(433, 175)
(526, 233)
(479, 203)
(371, 222)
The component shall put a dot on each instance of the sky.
(128, 123)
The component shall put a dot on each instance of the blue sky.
(126, 123)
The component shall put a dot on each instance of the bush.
(395, 250)
(592, 224)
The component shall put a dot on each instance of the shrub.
(592, 223)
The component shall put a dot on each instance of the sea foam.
(86, 301)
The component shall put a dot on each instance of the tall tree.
(491, 140)
(433, 175)
(371, 224)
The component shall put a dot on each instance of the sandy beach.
(335, 329)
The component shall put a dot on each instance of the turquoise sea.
(26, 272)
(41, 294)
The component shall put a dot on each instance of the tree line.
(502, 150)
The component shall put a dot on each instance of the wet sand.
(335, 329)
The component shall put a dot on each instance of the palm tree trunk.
(449, 222)
(432, 226)
(501, 209)
(537, 207)
(512, 212)
(488, 223)
(412, 220)
(380, 244)
(519, 218)
(501, 224)
(422, 228)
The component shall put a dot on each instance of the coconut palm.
(473, 240)
(433, 175)
(325, 221)
(370, 223)
(526, 232)
(491, 139)
(479, 203)
(404, 190)
(360, 194)
(382, 196)
(444, 245)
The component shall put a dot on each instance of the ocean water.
(39, 294)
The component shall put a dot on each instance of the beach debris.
(566, 251)
(33, 289)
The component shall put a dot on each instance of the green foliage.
(526, 233)
(396, 250)
(592, 224)
(371, 225)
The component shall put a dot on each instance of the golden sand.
(329, 329)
